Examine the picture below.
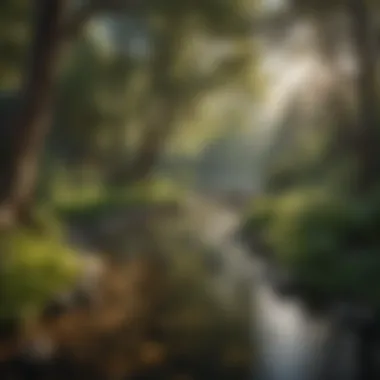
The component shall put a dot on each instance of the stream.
(289, 343)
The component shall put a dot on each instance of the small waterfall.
(293, 345)
(291, 342)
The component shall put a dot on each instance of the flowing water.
(293, 345)
(289, 342)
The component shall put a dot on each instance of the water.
(292, 344)
(289, 342)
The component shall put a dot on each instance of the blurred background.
(189, 189)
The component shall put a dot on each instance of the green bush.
(328, 239)
(35, 267)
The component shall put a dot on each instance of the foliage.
(197, 325)
(106, 99)
(35, 267)
(327, 239)
(14, 38)
(95, 202)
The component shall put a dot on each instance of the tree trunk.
(365, 145)
(27, 132)
(366, 353)
(167, 100)
(159, 129)
(366, 135)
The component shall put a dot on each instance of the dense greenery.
(132, 88)
(106, 94)
(328, 239)
(39, 264)
(318, 217)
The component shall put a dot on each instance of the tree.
(331, 238)
(367, 135)
(170, 93)
(24, 139)
(362, 24)
(175, 86)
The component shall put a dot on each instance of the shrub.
(35, 267)
(327, 239)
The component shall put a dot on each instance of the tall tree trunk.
(27, 132)
(366, 134)
(366, 144)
